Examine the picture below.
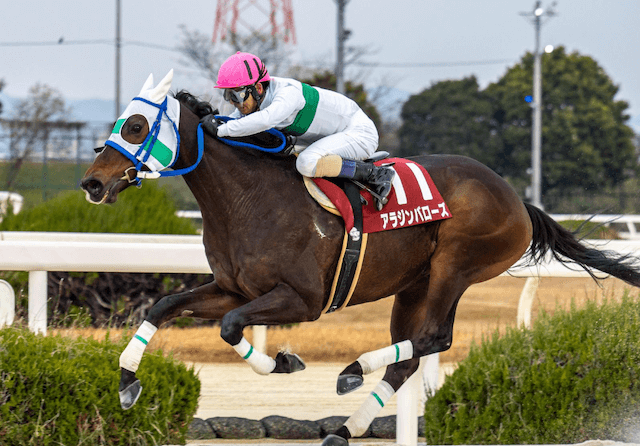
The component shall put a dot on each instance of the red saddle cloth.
(414, 200)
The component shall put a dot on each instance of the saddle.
(414, 200)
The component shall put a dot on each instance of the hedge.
(573, 376)
(150, 210)
(59, 391)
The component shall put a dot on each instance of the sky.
(414, 43)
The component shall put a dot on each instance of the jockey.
(336, 132)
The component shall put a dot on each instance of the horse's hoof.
(130, 394)
(349, 383)
(334, 440)
(288, 363)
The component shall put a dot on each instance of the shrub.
(55, 391)
(149, 210)
(574, 376)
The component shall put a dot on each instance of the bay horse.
(274, 251)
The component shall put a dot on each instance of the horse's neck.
(226, 184)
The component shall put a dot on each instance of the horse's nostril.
(91, 185)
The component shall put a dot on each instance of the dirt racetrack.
(231, 388)
(341, 337)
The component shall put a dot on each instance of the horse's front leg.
(207, 302)
(281, 305)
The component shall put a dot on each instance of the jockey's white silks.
(131, 356)
(372, 361)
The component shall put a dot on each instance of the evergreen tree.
(585, 140)
(452, 117)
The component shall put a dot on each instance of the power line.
(62, 42)
(432, 64)
(174, 49)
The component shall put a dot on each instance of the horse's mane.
(200, 108)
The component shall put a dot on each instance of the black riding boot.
(379, 178)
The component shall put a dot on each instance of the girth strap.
(353, 248)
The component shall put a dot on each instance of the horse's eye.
(136, 128)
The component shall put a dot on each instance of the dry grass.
(343, 336)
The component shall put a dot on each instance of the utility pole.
(536, 17)
(117, 98)
(343, 35)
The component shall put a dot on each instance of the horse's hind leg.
(409, 313)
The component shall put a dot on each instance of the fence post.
(7, 303)
(38, 302)
(259, 339)
(526, 301)
(415, 390)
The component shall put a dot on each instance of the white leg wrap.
(131, 356)
(259, 362)
(372, 361)
(359, 422)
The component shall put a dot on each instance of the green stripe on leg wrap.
(248, 354)
(375, 395)
(141, 339)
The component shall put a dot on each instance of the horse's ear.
(158, 94)
(148, 84)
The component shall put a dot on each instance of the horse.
(273, 249)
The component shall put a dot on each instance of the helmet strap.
(257, 96)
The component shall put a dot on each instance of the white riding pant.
(358, 141)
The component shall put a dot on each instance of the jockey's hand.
(210, 125)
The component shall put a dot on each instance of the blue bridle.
(141, 157)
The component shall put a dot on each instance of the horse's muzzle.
(95, 190)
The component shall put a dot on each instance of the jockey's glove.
(210, 125)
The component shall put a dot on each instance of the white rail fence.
(39, 253)
(624, 224)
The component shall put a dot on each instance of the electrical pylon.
(251, 15)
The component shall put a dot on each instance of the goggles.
(231, 95)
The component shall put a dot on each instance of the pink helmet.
(240, 70)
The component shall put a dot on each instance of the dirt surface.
(231, 388)
(343, 336)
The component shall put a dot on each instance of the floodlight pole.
(343, 34)
(117, 93)
(536, 113)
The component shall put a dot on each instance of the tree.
(1, 87)
(31, 124)
(585, 140)
(452, 117)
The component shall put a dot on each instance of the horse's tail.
(548, 235)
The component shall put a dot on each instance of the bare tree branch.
(31, 124)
